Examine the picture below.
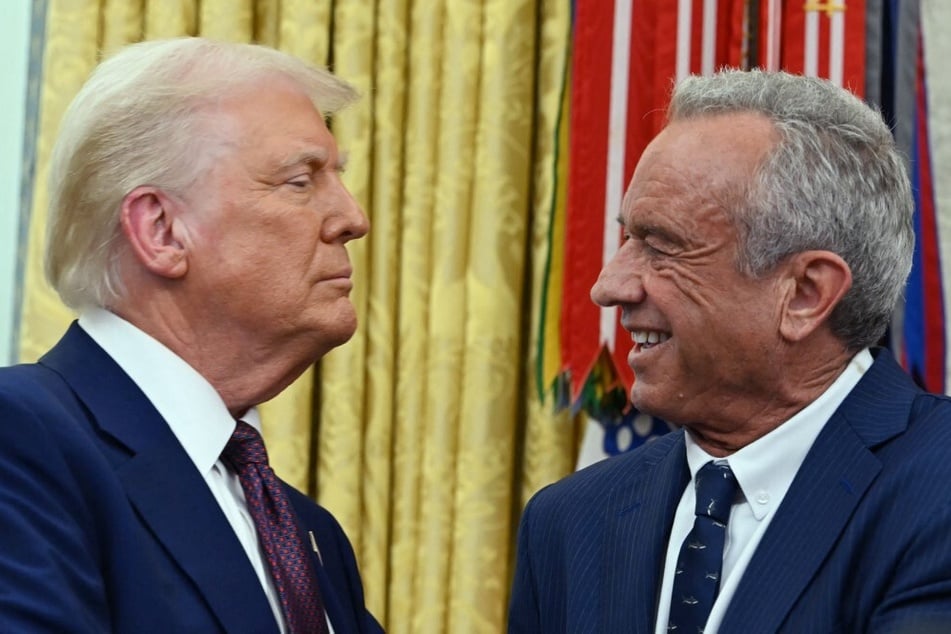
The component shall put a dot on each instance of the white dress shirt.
(764, 469)
(197, 416)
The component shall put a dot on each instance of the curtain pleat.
(228, 20)
(550, 445)
(421, 128)
(70, 54)
(170, 18)
(456, 117)
(493, 281)
(121, 24)
(304, 29)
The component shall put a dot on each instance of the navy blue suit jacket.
(107, 526)
(860, 543)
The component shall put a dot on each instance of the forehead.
(700, 162)
(274, 117)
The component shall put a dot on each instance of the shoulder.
(28, 383)
(46, 437)
(59, 495)
(35, 404)
(588, 489)
(930, 408)
(924, 448)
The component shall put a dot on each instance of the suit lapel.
(831, 482)
(638, 528)
(164, 486)
(341, 619)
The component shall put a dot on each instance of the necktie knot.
(245, 446)
(716, 488)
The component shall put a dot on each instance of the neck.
(743, 420)
(244, 370)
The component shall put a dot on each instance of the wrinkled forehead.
(270, 108)
(710, 151)
(698, 168)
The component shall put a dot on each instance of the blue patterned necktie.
(276, 523)
(697, 576)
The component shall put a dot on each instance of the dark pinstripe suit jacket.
(861, 542)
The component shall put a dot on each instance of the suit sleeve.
(919, 598)
(523, 606)
(49, 568)
(344, 551)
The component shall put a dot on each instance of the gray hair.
(146, 117)
(835, 181)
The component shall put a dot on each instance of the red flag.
(822, 39)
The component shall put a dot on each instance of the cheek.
(687, 288)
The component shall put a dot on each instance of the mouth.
(646, 339)
(342, 274)
(339, 281)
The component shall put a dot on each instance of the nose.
(620, 280)
(348, 222)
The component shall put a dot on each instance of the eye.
(302, 181)
(654, 246)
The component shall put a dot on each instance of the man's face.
(703, 332)
(272, 217)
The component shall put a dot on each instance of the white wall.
(14, 51)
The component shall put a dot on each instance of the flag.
(920, 342)
(935, 16)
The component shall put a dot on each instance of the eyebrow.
(343, 156)
(309, 157)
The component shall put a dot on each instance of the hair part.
(146, 116)
(834, 181)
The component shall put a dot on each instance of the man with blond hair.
(198, 225)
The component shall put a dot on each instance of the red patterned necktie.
(287, 557)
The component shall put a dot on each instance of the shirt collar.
(194, 411)
(765, 468)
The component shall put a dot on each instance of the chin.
(652, 404)
(338, 332)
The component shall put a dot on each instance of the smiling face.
(703, 333)
(268, 263)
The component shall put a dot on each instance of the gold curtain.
(424, 435)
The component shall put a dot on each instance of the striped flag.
(817, 39)
(921, 338)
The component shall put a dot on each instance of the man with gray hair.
(198, 224)
(768, 236)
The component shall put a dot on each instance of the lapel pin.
(313, 544)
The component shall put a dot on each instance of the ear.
(818, 279)
(151, 222)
